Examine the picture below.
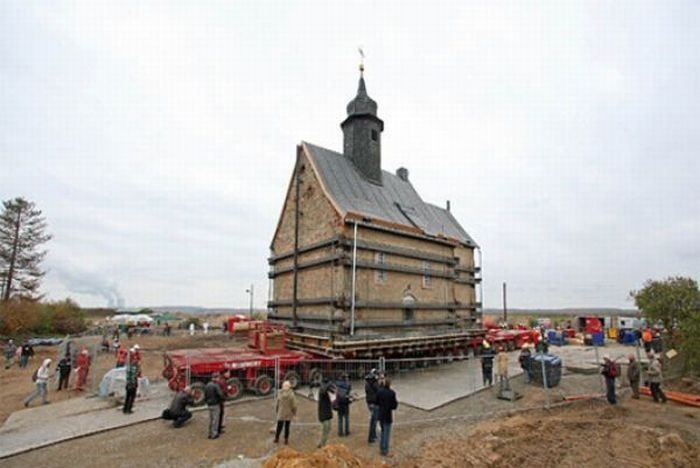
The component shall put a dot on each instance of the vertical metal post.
(188, 372)
(251, 291)
(597, 364)
(505, 304)
(295, 284)
(354, 274)
(382, 364)
(278, 384)
(544, 382)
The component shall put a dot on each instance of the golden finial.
(362, 60)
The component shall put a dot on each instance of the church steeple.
(362, 134)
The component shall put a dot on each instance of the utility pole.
(505, 304)
(251, 291)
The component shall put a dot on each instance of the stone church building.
(358, 254)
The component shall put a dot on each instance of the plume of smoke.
(82, 282)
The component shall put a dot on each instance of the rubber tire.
(197, 393)
(315, 377)
(293, 378)
(234, 382)
(263, 385)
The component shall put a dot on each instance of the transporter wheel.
(315, 377)
(197, 393)
(234, 389)
(168, 373)
(263, 385)
(293, 378)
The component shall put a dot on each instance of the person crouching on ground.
(42, 377)
(177, 412)
(214, 397)
(325, 410)
(386, 400)
(286, 410)
(63, 373)
(634, 373)
(610, 373)
(132, 384)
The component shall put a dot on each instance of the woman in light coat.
(42, 378)
(286, 410)
(502, 368)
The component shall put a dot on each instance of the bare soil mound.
(330, 456)
(591, 436)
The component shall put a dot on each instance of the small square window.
(380, 275)
(427, 280)
(375, 135)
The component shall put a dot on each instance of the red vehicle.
(241, 324)
(511, 339)
(251, 368)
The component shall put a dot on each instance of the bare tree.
(22, 232)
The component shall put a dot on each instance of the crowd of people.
(333, 397)
(69, 360)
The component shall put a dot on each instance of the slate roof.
(395, 200)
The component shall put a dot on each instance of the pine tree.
(22, 232)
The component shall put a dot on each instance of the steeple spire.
(362, 132)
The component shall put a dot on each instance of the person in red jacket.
(83, 367)
(121, 355)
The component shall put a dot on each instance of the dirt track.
(583, 434)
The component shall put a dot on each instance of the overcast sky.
(159, 137)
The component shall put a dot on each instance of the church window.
(380, 273)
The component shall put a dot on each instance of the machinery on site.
(246, 368)
(270, 352)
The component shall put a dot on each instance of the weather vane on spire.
(362, 60)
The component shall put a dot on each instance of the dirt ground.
(475, 431)
(16, 383)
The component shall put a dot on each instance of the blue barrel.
(556, 337)
(598, 339)
(552, 369)
(629, 338)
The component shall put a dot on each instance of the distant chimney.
(402, 173)
(448, 205)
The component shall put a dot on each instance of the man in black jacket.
(214, 397)
(386, 400)
(487, 356)
(63, 373)
(371, 388)
(25, 354)
(325, 410)
(177, 412)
